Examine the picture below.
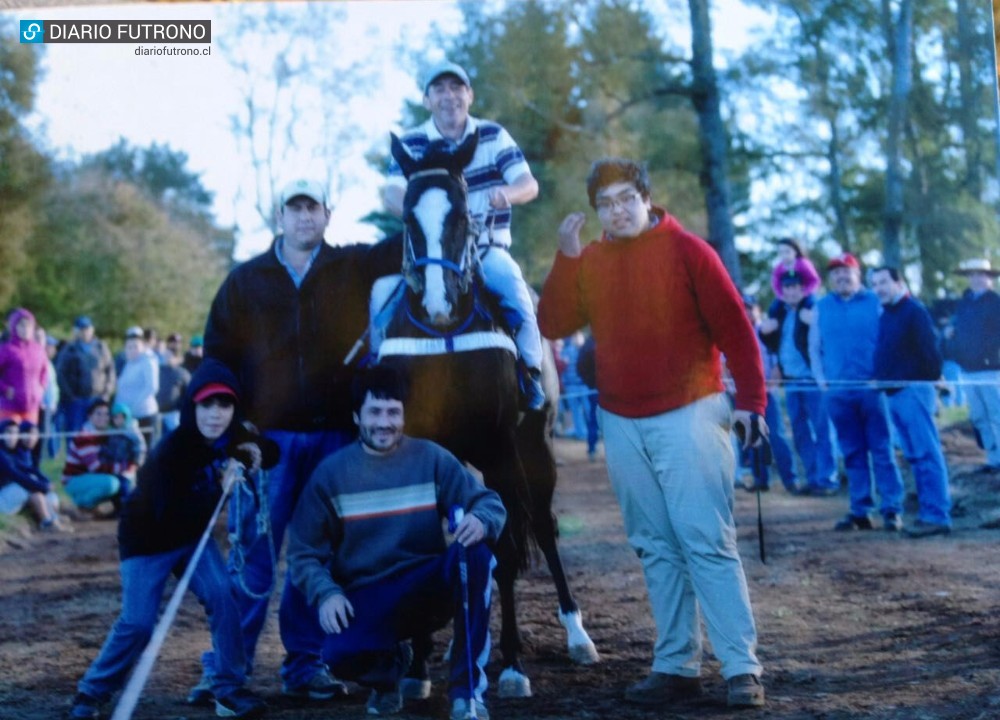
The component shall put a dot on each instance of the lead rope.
(237, 548)
(130, 695)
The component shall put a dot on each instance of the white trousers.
(673, 475)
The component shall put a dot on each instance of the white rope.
(833, 385)
(130, 696)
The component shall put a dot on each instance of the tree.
(573, 84)
(296, 86)
(899, 39)
(104, 248)
(23, 169)
(713, 140)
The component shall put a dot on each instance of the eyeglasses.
(624, 200)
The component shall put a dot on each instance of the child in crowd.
(123, 451)
(162, 522)
(21, 483)
(791, 258)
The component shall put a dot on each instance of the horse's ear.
(465, 151)
(402, 156)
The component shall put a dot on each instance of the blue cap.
(83, 321)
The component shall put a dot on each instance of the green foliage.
(574, 82)
(831, 111)
(23, 170)
(107, 250)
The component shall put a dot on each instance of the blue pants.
(143, 580)
(593, 429)
(575, 401)
(74, 415)
(912, 411)
(811, 435)
(409, 604)
(298, 622)
(863, 431)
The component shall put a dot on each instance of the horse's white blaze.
(431, 211)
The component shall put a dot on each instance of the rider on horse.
(498, 178)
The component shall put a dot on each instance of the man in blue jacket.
(975, 345)
(907, 350)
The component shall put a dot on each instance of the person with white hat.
(975, 345)
(498, 178)
(283, 322)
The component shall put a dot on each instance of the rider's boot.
(532, 393)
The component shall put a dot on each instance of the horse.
(464, 391)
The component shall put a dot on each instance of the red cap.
(845, 260)
(214, 389)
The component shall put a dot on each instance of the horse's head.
(438, 248)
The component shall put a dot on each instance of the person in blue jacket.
(907, 350)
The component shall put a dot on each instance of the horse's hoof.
(513, 684)
(415, 688)
(581, 648)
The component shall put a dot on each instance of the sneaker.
(754, 487)
(460, 710)
(85, 707)
(240, 703)
(850, 522)
(892, 523)
(201, 694)
(922, 529)
(55, 525)
(663, 689)
(745, 691)
(321, 686)
(387, 702)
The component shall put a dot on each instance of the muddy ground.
(851, 625)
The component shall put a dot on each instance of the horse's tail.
(535, 450)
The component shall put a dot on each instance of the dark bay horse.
(464, 385)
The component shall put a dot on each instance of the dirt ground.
(851, 625)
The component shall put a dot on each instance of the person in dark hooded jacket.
(161, 523)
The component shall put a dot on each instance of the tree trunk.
(842, 228)
(713, 140)
(899, 37)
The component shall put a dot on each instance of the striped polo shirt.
(498, 161)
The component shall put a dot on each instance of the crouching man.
(367, 549)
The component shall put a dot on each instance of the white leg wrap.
(581, 647)
(513, 684)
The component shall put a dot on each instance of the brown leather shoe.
(663, 689)
(745, 691)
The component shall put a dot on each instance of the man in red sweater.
(661, 308)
